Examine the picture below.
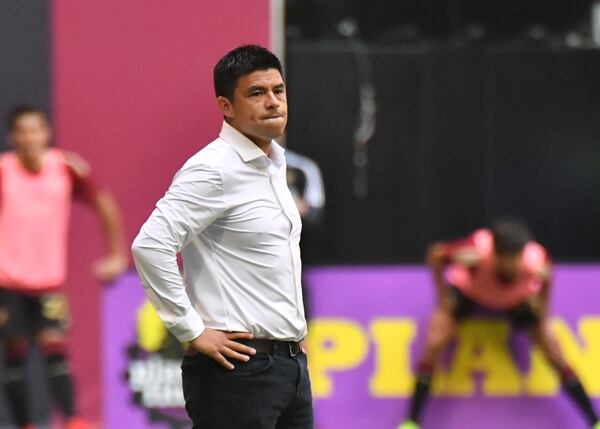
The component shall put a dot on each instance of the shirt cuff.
(188, 328)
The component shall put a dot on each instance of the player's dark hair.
(24, 109)
(239, 62)
(510, 235)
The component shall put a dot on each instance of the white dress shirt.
(230, 213)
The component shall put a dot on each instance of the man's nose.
(271, 101)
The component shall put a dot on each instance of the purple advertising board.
(364, 341)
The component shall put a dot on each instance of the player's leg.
(14, 309)
(52, 323)
(53, 347)
(440, 331)
(541, 333)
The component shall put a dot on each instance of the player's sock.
(16, 383)
(78, 423)
(409, 425)
(421, 393)
(59, 375)
(573, 387)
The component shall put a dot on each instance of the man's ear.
(226, 107)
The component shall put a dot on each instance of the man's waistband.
(274, 347)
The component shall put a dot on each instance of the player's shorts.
(26, 315)
(521, 316)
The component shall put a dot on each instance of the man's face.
(30, 135)
(259, 106)
(507, 266)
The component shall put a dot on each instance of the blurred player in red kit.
(37, 186)
(500, 269)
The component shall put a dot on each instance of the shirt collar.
(248, 150)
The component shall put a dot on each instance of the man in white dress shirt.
(239, 303)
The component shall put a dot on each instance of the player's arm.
(546, 276)
(441, 254)
(115, 263)
(437, 259)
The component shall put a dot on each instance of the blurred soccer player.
(37, 184)
(502, 269)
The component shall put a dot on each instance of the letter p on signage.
(333, 345)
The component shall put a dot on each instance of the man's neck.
(33, 164)
(263, 145)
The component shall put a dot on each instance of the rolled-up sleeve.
(193, 201)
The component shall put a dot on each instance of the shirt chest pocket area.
(256, 219)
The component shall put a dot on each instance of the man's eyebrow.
(255, 88)
(264, 87)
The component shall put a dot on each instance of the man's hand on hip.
(221, 345)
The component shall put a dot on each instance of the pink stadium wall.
(132, 93)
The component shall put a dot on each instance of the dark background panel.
(547, 150)
(24, 57)
(24, 78)
(324, 104)
(457, 159)
(392, 185)
(462, 136)
(322, 120)
(385, 21)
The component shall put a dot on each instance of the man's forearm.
(110, 219)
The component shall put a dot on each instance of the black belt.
(274, 347)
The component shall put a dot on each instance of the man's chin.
(274, 132)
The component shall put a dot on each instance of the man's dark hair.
(510, 235)
(239, 62)
(25, 109)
